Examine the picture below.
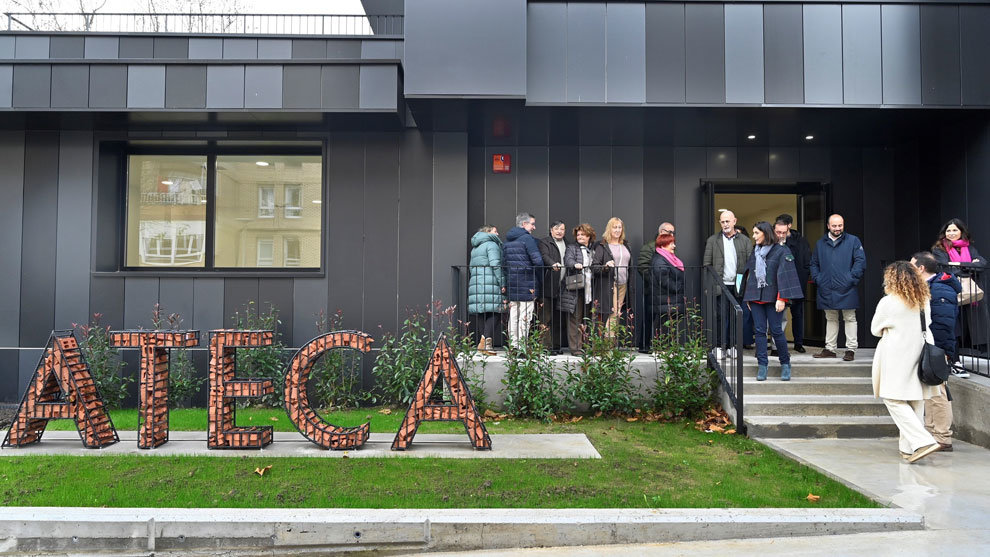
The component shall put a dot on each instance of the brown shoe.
(825, 353)
(923, 452)
(945, 447)
(849, 356)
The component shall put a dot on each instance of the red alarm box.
(501, 164)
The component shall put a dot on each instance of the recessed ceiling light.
(261, 163)
(317, 201)
(167, 182)
(809, 137)
(721, 210)
(751, 136)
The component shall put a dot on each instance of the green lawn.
(643, 464)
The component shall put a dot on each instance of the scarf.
(958, 250)
(761, 265)
(671, 258)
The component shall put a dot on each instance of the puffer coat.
(945, 290)
(523, 264)
(667, 286)
(487, 276)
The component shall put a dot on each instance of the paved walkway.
(425, 445)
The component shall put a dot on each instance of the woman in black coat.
(955, 252)
(771, 280)
(667, 286)
(588, 258)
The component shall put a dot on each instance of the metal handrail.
(734, 389)
(218, 23)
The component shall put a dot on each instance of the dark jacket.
(945, 290)
(837, 269)
(715, 252)
(782, 277)
(667, 291)
(522, 258)
(942, 257)
(602, 279)
(487, 279)
(974, 319)
(551, 256)
(645, 260)
(801, 251)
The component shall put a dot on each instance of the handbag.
(574, 282)
(971, 292)
(933, 368)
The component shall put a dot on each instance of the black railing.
(973, 323)
(725, 354)
(261, 24)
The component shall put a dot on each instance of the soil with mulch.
(7, 415)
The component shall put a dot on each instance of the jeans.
(797, 321)
(766, 317)
(747, 318)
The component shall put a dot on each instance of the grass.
(642, 465)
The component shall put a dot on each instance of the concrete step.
(813, 405)
(818, 427)
(812, 370)
(822, 386)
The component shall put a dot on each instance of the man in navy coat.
(837, 266)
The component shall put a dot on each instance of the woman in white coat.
(897, 321)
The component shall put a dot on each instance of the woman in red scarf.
(668, 286)
(953, 248)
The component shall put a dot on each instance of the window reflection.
(268, 211)
(166, 211)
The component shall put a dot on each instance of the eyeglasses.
(665, 231)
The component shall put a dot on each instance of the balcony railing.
(230, 24)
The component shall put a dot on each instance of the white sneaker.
(960, 372)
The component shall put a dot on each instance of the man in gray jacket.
(727, 252)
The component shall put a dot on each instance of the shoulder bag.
(933, 368)
(971, 292)
(574, 282)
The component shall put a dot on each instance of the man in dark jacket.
(802, 262)
(945, 290)
(644, 262)
(727, 252)
(552, 250)
(837, 266)
(522, 261)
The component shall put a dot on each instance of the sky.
(248, 6)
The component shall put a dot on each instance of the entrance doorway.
(807, 202)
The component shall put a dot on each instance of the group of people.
(570, 281)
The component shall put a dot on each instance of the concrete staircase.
(824, 398)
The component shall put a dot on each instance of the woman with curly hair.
(901, 321)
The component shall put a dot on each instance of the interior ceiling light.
(167, 182)
(809, 137)
(751, 136)
(317, 201)
(261, 163)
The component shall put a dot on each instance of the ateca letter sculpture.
(63, 388)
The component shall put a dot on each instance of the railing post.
(737, 345)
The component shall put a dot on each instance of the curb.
(40, 530)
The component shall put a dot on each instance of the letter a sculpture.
(442, 367)
(62, 388)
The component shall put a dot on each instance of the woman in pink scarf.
(954, 248)
(667, 274)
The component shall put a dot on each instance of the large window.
(261, 211)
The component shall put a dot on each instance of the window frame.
(211, 151)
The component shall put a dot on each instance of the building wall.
(382, 256)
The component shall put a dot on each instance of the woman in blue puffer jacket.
(486, 287)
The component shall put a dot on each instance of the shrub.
(264, 361)
(336, 377)
(104, 361)
(604, 379)
(182, 381)
(531, 386)
(685, 384)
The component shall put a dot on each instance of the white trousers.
(520, 316)
(909, 416)
(832, 329)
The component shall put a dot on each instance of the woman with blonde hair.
(614, 239)
(901, 321)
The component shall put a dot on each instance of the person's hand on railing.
(610, 264)
(579, 266)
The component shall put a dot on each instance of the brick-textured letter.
(153, 383)
(62, 388)
(307, 421)
(225, 388)
(442, 367)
